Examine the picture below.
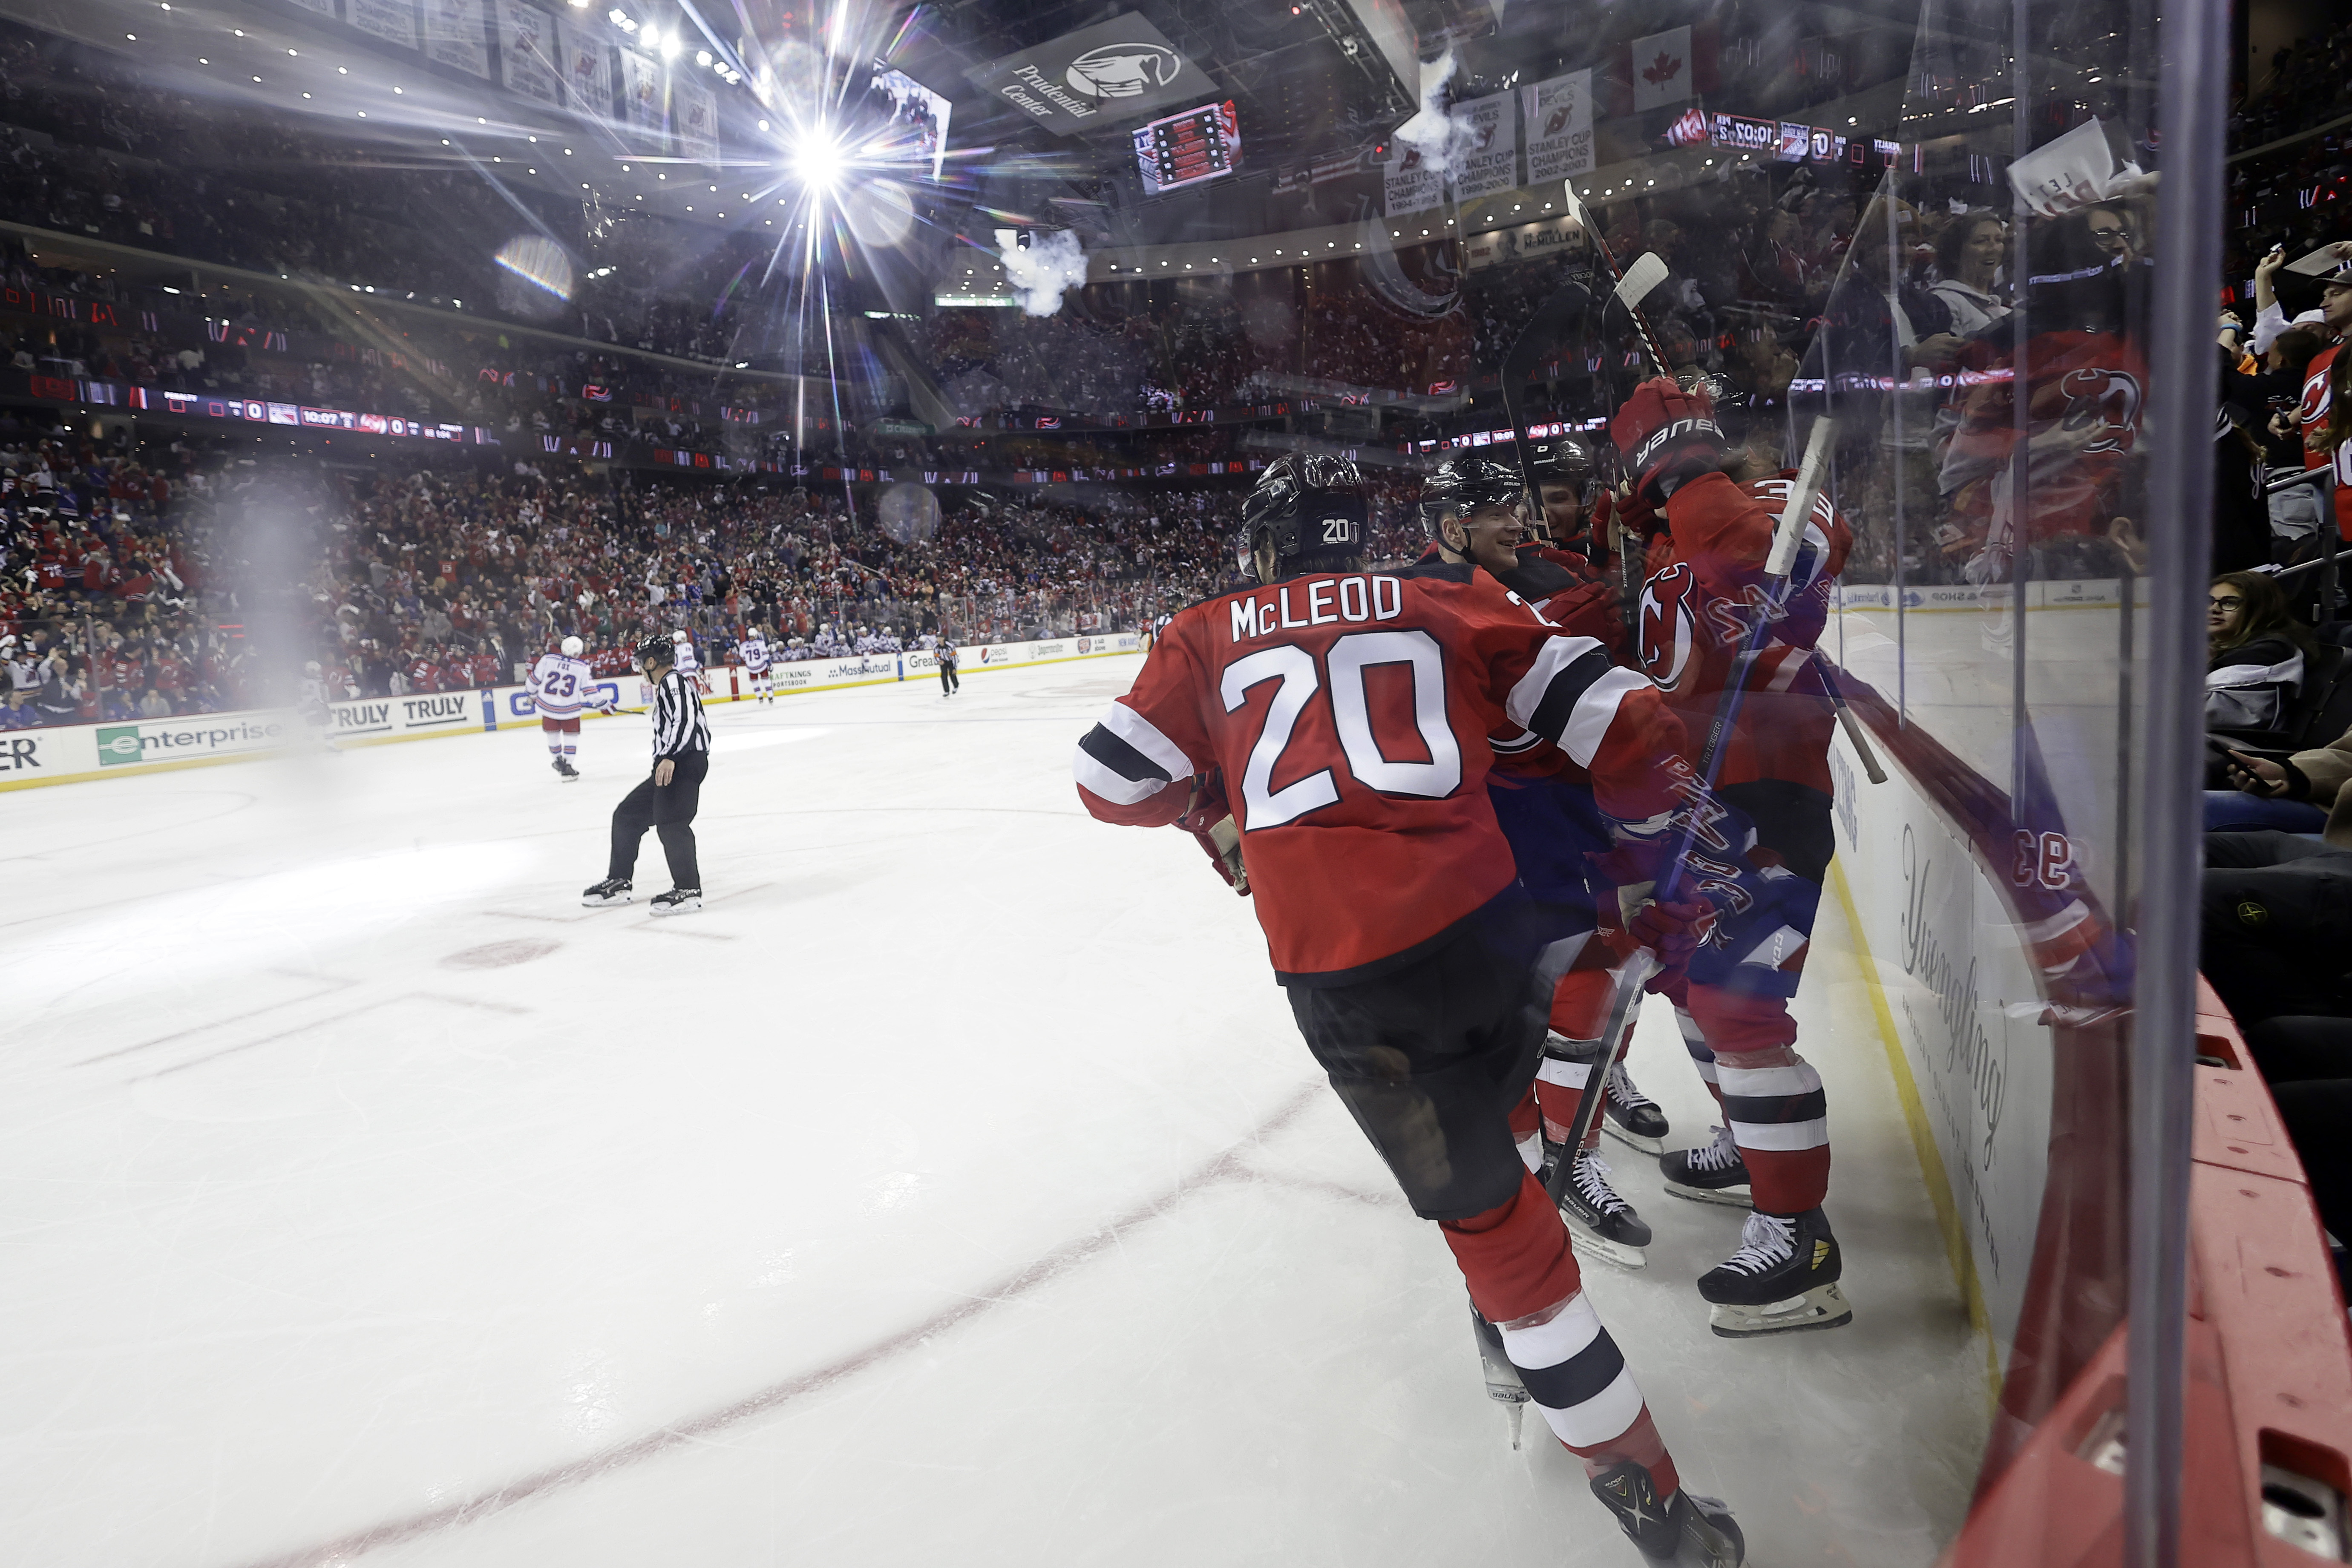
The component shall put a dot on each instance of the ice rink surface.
(953, 1188)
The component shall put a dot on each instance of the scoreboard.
(1185, 149)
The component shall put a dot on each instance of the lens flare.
(539, 261)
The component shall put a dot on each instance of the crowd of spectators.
(88, 146)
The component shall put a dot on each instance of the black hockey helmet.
(1312, 509)
(655, 650)
(1464, 482)
(1562, 459)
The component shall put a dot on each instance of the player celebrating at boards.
(1477, 513)
(1721, 507)
(561, 684)
(1390, 905)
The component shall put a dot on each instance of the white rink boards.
(954, 1187)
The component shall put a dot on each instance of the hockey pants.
(668, 809)
(1431, 1060)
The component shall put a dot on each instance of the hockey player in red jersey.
(1722, 506)
(1351, 712)
(1475, 510)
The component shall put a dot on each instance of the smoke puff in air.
(1433, 132)
(1053, 263)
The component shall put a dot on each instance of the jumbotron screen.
(1186, 149)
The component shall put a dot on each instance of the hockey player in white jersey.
(562, 685)
(688, 665)
(756, 660)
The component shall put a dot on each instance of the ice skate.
(1630, 1116)
(1782, 1279)
(557, 764)
(1605, 1226)
(1711, 1174)
(677, 902)
(1503, 1385)
(570, 774)
(1690, 1531)
(612, 890)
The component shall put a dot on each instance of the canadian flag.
(1662, 68)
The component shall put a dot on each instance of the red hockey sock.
(1771, 1098)
(1640, 1443)
(1580, 1008)
(1514, 1257)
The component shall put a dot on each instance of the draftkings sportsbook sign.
(1097, 76)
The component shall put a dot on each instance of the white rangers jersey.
(561, 686)
(687, 663)
(754, 651)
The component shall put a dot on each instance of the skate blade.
(1514, 1401)
(1706, 1543)
(1595, 1248)
(688, 908)
(1653, 1147)
(1736, 1197)
(1822, 1307)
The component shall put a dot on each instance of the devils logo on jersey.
(2103, 401)
(1669, 625)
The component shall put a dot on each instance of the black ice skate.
(1711, 1174)
(677, 902)
(1503, 1385)
(1782, 1279)
(1630, 1116)
(557, 764)
(612, 890)
(1605, 1226)
(563, 766)
(1692, 1531)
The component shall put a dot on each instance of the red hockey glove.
(1665, 436)
(1209, 820)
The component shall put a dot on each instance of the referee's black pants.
(948, 681)
(668, 809)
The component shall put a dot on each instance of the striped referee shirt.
(678, 724)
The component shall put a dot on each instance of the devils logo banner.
(1098, 76)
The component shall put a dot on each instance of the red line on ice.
(1223, 1167)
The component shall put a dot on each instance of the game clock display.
(1186, 149)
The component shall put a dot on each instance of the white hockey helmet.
(573, 647)
(678, 636)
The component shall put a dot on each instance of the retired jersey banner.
(587, 67)
(527, 52)
(694, 118)
(1559, 127)
(394, 21)
(645, 97)
(454, 36)
(1098, 76)
(1489, 162)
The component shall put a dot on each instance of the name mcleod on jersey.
(1329, 601)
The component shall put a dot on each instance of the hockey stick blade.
(1649, 270)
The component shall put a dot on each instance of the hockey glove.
(1665, 436)
(1209, 820)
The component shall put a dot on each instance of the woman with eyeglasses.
(2253, 668)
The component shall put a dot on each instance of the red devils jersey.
(1349, 716)
(2312, 416)
(1696, 608)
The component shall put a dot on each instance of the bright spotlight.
(817, 158)
(670, 45)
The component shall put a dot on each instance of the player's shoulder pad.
(1535, 579)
